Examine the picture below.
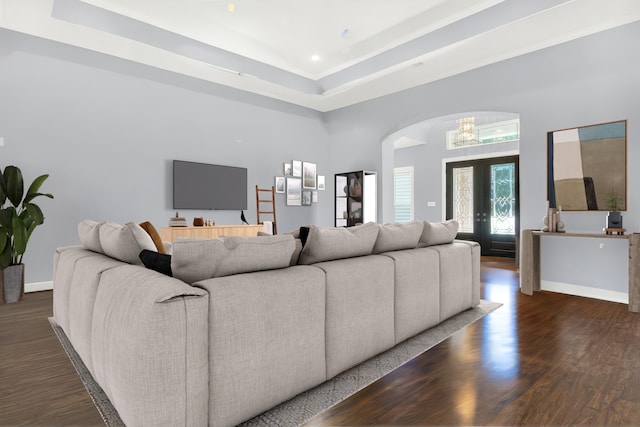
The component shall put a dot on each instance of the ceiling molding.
(563, 22)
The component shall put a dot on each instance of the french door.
(483, 196)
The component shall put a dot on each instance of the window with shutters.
(403, 194)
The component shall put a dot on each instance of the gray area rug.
(307, 405)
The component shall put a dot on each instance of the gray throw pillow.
(88, 232)
(125, 242)
(438, 233)
(395, 237)
(198, 259)
(329, 243)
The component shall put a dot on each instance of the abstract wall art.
(585, 165)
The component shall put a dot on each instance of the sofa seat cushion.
(394, 237)
(330, 243)
(438, 233)
(417, 291)
(360, 310)
(198, 259)
(456, 278)
(267, 340)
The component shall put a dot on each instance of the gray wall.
(106, 131)
(587, 81)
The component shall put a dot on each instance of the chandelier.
(466, 131)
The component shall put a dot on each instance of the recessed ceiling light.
(231, 8)
(315, 57)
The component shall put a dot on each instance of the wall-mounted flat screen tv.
(205, 186)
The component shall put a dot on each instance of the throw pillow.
(329, 243)
(198, 259)
(394, 237)
(156, 261)
(438, 233)
(155, 236)
(125, 242)
(88, 232)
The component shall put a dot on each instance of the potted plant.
(19, 216)
(614, 203)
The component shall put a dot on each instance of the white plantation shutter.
(403, 194)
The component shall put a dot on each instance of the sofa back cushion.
(88, 232)
(198, 259)
(329, 243)
(124, 242)
(438, 233)
(394, 237)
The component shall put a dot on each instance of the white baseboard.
(585, 291)
(38, 286)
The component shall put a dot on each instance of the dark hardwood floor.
(551, 359)
(38, 384)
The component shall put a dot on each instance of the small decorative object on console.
(177, 221)
(198, 221)
(552, 221)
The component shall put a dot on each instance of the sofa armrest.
(149, 347)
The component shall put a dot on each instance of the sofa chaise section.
(142, 335)
(150, 346)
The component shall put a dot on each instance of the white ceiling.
(365, 48)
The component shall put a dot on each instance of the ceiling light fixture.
(231, 8)
(466, 131)
(315, 57)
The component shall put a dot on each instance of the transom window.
(468, 134)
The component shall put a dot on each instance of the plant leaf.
(6, 218)
(5, 257)
(20, 237)
(3, 189)
(4, 238)
(32, 192)
(15, 185)
(33, 212)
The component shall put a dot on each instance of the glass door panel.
(503, 199)
(463, 198)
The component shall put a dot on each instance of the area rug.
(300, 409)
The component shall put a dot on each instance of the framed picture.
(279, 184)
(309, 175)
(294, 189)
(287, 169)
(306, 198)
(296, 168)
(321, 182)
(314, 197)
(586, 165)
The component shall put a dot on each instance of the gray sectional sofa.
(247, 323)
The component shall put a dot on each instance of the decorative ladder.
(268, 202)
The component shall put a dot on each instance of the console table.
(170, 233)
(530, 261)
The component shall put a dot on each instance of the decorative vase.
(12, 283)
(614, 220)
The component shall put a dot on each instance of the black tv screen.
(205, 186)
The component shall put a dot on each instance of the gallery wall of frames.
(300, 183)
